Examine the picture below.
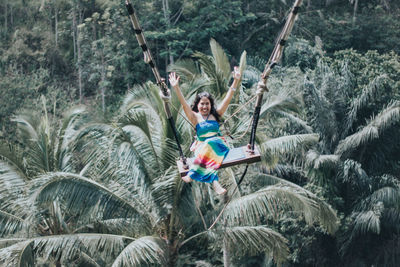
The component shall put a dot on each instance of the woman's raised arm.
(174, 81)
(224, 105)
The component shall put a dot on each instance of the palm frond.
(251, 76)
(186, 69)
(116, 226)
(11, 181)
(315, 160)
(147, 93)
(220, 58)
(6, 242)
(218, 82)
(375, 128)
(83, 196)
(257, 239)
(293, 119)
(368, 221)
(282, 101)
(267, 179)
(322, 114)
(27, 126)
(165, 188)
(389, 196)
(144, 139)
(12, 191)
(242, 65)
(352, 173)
(37, 134)
(20, 254)
(93, 144)
(128, 164)
(13, 156)
(69, 128)
(272, 200)
(368, 94)
(289, 144)
(145, 250)
(207, 64)
(9, 223)
(65, 247)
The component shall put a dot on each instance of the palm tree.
(353, 160)
(281, 105)
(126, 205)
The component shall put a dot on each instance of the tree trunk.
(6, 16)
(168, 22)
(56, 25)
(74, 31)
(78, 46)
(226, 253)
(79, 55)
(355, 11)
(11, 16)
(103, 89)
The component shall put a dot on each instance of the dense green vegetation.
(87, 158)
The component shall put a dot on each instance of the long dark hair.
(213, 111)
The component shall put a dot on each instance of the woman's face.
(204, 106)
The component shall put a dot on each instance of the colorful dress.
(210, 150)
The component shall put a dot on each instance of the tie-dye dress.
(210, 150)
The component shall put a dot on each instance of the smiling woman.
(210, 148)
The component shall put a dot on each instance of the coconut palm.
(280, 107)
(349, 162)
(127, 199)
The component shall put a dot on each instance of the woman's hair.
(199, 96)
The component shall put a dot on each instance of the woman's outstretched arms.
(174, 81)
(224, 105)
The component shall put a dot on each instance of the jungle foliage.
(87, 158)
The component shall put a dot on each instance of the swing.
(239, 155)
(236, 156)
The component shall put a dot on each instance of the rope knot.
(167, 97)
(261, 87)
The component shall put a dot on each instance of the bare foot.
(218, 188)
(187, 179)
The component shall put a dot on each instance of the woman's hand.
(236, 73)
(174, 79)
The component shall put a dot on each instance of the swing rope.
(164, 92)
(262, 87)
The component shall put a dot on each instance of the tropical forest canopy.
(87, 158)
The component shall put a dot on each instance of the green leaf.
(20, 254)
(144, 250)
(257, 239)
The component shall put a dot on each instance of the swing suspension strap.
(275, 57)
(165, 95)
(273, 60)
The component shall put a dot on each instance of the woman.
(210, 148)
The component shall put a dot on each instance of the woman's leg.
(187, 179)
(218, 188)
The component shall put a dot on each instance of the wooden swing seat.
(236, 156)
